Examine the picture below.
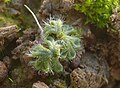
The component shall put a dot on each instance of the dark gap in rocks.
(8, 49)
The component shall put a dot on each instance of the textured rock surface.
(39, 85)
(7, 34)
(111, 49)
(58, 84)
(3, 71)
(51, 6)
(24, 43)
(91, 74)
(23, 77)
(114, 59)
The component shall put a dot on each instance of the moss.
(6, 21)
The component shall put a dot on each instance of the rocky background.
(95, 66)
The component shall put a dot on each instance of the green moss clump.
(97, 12)
(6, 21)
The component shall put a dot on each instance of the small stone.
(93, 74)
(82, 79)
(39, 85)
(75, 63)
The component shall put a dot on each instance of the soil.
(96, 64)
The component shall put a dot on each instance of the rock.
(23, 77)
(67, 5)
(3, 71)
(92, 74)
(20, 50)
(17, 4)
(51, 7)
(24, 43)
(39, 85)
(82, 79)
(58, 84)
(48, 6)
(14, 12)
(7, 61)
(7, 35)
(66, 65)
(76, 61)
(113, 58)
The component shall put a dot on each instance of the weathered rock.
(24, 43)
(50, 7)
(7, 35)
(58, 84)
(3, 71)
(92, 74)
(113, 59)
(17, 4)
(7, 61)
(20, 50)
(39, 85)
(112, 47)
(22, 74)
(23, 77)
(76, 61)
